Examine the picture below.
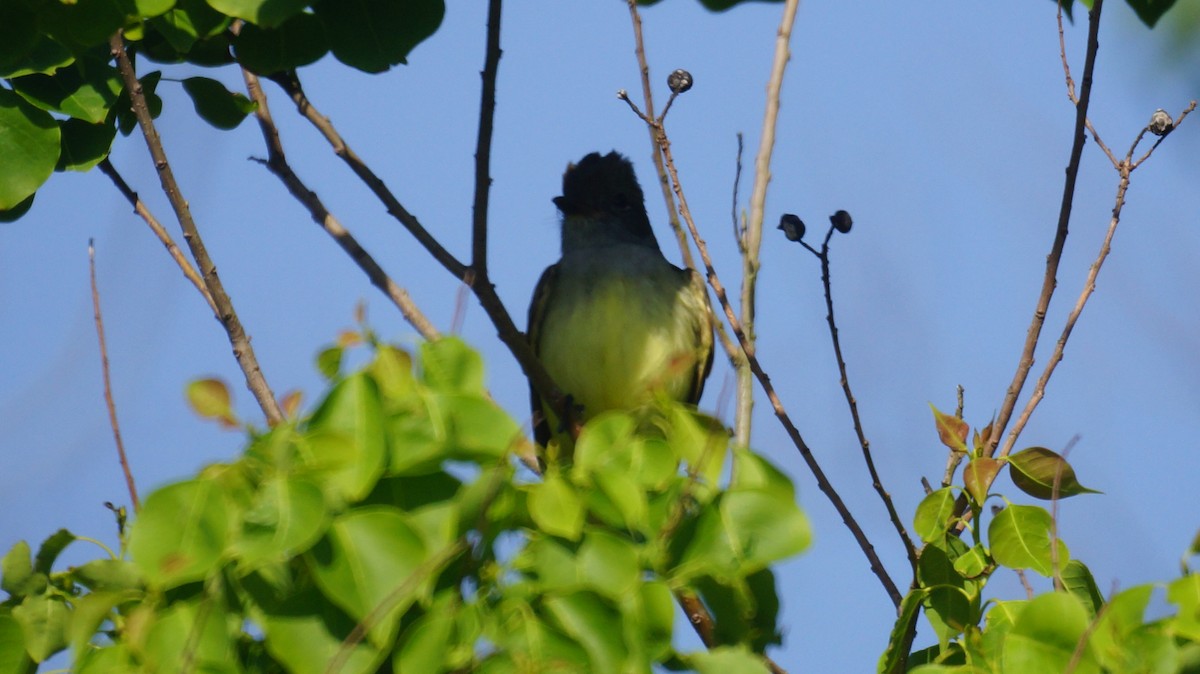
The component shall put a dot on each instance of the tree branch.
(277, 163)
(1050, 280)
(243, 352)
(108, 396)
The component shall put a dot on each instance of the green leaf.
(306, 632)
(1044, 637)
(727, 660)
(91, 610)
(744, 531)
(13, 214)
(1077, 579)
(373, 35)
(594, 624)
(476, 428)
(609, 565)
(13, 659)
(952, 431)
(1150, 11)
(43, 622)
(82, 23)
(126, 120)
(448, 365)
(267, 13)
(900, 638)
(556, 508)
(84, 145)
(17, 569)
(190, 637)
(329, 362)
(51, 548)
(1034, 471)
(109, 575)
(345, 444)
(287, 517)
(18, 33)
(188, 22)
(210, 399)
(933, 514)
(296, 42)
(29, 143)
(148, 8)
(365, 564)
(217, 105)
(978, 476)
(1019, 537)
(423, 645)
(180, 534)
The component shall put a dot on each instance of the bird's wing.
(537, 315)
(704, 334)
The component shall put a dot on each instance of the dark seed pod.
(792, 226)
(679, 81)
(1160, 123)
(841, 221)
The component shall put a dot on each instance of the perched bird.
(614, 322)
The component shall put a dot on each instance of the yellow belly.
(621, 338)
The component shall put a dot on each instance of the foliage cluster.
(390, 528)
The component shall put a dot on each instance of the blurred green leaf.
(180, 534)
(609, 565)
(345, 443)
(556, 508)
(267, 13)
(595, 625)
(17, 572)
(448, 365)
(210, 399)
(1150, 11)
(365, 565)
(1045, 635)
(727, 659)
(374, 35)
(298, 41)
(43, 622)
(1077, 579)
(287, 517)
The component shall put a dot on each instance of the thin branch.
(290, 83)
(876, 482)
(764, 380)
(731, 350)
(648, 97)
(108, 396)
(243, 352)
(164, 237)
(1049, 281)
(485, 292)
(277, 163)
(483, 147)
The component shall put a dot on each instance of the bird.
(614, 323)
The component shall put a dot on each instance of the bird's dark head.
(603, 189)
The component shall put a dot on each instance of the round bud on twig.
(1160, 123)
(841, 221)
(622, 94)
(679, 81)
(792, 226)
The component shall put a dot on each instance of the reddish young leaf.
(952, 431)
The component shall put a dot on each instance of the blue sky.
(944, 129)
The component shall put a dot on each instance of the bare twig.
(763, 379)
(483, 147)
(865, 444)
(108, 395)
(648, 98)
(507, 330)
(277, 163)
(731, 350)
(140, 208)
(1050, 280)
(1125, 169)
(243, 352)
